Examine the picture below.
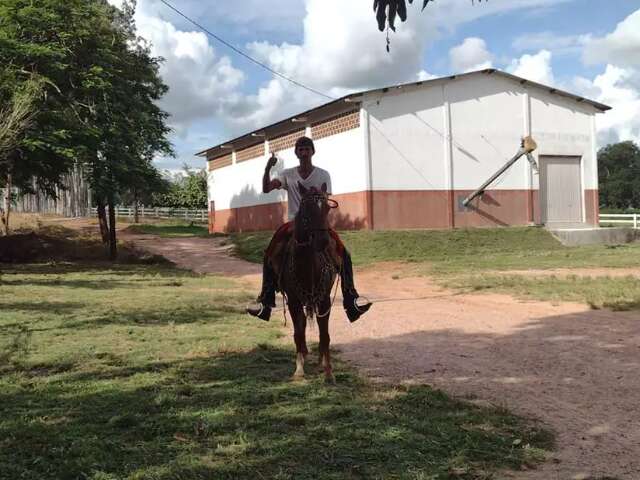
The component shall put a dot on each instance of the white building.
(406, 156)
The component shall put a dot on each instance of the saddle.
(281, 244)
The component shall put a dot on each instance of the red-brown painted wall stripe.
(389, 210)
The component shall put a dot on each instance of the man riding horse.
(306, 177)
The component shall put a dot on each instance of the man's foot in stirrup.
(260, 311)
(355, 310)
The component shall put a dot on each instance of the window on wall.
(338, 124)
(220, 162)
(249, 153)
(285, 141)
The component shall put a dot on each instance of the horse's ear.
(324, 188)
(303, 191)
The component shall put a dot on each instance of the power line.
(245, 55)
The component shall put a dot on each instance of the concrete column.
(594, 166)
(448, 157)
(528, 171)
(365, 127)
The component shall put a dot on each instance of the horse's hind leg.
(299, 336)
(325, 340)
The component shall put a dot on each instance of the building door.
(560, 190)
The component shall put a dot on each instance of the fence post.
(157, 212)
(635, 221)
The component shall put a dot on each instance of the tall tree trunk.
(113, 246)
(136, 206)
(102, 220)
(7, 206)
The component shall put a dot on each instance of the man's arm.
(267, 184)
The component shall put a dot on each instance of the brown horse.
(309, 272)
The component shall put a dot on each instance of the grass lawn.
(147, 372)
(615, 293)
(469, 259)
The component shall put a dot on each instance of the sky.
(588, 47)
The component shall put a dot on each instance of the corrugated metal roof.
(330, 108)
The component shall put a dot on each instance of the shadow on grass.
(622, 305)
(237, 416)
(186, 314)
(87, 269)
(58, 308)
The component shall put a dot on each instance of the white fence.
(157, 212)
(621, 219)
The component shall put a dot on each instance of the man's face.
(304, 152)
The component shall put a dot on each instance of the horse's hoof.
(297, 377)
(330, 379)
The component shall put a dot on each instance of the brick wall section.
(219, 162)
(250, 152)
(335, 125)
(285, 141)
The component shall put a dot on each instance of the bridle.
(323, 268)
(305, 221)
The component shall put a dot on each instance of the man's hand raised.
(272, 162)
(268, 184)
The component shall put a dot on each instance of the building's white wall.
(342, 155)
(408, 128)
(407, 139)
(562, 126)
(408, 145)
(487, 124)
(240, 185)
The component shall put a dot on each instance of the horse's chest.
(311, 277)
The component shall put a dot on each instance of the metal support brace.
(527, 146)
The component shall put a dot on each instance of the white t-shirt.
(289, 179)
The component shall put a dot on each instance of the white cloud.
(559, 44)
(340, 50)
(621, 47)
(201, 82)
(343, 51)
(423, 75)
(536, 68)
(471, 54)
(619, 88)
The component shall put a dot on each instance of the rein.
(311, 298)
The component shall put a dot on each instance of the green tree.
(129, 129)
(16, 118)
(145, 192)
(619, 175)
(38, 40)
(188, 190)
(99, 104)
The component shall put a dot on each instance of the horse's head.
(312, 220)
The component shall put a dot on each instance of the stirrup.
(355, 311)
(365, 307)
(263, 313)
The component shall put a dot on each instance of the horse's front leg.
(299, 336)
(325, 340)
